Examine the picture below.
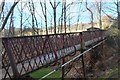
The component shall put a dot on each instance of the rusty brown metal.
(25, 54)
(82, 50)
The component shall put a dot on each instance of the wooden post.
(82, 50)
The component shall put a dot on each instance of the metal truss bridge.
(23, 55)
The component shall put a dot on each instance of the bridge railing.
(22, 55)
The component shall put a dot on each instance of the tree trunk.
(54, 18)
(118, 12)
(92, 24)
(62, 19)
(46, 17)
(21, 16)
(65, 15)
(100, 9)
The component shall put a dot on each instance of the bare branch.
(108, 15)
(2, 7)
(57, 4)
(10, 11)
(90, 13)
(42, 8)
(51, 4)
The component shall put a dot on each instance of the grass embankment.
(114, 74)
(42, 72)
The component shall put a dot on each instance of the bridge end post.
(12, 61)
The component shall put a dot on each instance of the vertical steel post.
(63, 69)
(83, 65)
(12, 60)
(82, 50)
(102, 36)
(63, 61)
(1, 58)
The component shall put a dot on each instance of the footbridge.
(23, 55)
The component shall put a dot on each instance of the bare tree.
(44, 11)
(79, 14)
(54, 13)
(20, 9)
(59, 25)
(92, 24)
(99, 10)
(64, 3)
(2, 4)
(118, 13)
(34, 19)
(2, 7)
(8, 14)
(69, 20)
(32, 11)
(11, 25)
(115, 9)
(21, 19)
(41, 32)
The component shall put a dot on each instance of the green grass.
(42, 72)
(112, 74)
